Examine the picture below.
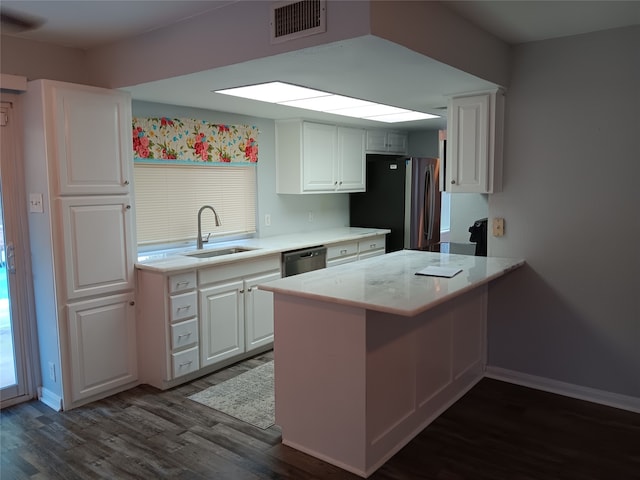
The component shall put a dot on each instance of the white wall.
(289, 213)
(40, 60)
(571, 202)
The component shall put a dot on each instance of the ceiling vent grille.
(295, 19)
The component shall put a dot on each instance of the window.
(168, 198)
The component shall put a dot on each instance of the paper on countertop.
(435, 271)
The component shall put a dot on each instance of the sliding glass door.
(16, 321)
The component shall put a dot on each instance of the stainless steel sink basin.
(217, 252)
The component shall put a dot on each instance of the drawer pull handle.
(186, 364)
(373, 245)
(185, 283)
(184, 307)
(184, 335)
(343, 252)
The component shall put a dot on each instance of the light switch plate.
(35, 203)
(498, 227)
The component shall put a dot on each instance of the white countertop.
(388, 283)
(173, 260)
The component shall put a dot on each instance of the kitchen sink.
(217, 252)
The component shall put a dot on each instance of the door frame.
(14, 201)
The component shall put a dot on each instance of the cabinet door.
(259, 310)
(222, 322)
(467, 162)
(376, 141)
(351, 160)
(102, 345)
(93, 137)
(397, 143)
(319, 157)
(98, 248)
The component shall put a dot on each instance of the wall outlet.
(52, 371)
(267, 220)
(498, 227)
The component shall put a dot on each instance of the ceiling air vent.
(295, 19)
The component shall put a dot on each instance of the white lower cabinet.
(167, 323)
(371, 247)
(222, 322)
(102, 345)
(352, 251)
(235, 316)
(258, 311)
(341, 253)
(192, 323)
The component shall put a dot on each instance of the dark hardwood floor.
(497, 431)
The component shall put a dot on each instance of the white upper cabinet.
(474, 143)
(351, 160)
(382, 141)
(319, 154)
(93, 137)
(319, 158)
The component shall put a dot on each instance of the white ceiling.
(399, 82)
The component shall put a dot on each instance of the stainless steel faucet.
(204, 207)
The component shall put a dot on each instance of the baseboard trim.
(50, 399)
(594, 395)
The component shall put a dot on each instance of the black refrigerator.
(402, 195)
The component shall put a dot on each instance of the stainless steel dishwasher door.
(304, 260)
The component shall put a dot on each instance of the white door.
(222, 327)
(319, 157)
(351, 160)
(97, 234)
(259, 310)
(102, 345)
(93, 137)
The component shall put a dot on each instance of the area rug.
(248, 397)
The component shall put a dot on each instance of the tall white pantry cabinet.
(79, 170)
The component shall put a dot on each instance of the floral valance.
(185, 140)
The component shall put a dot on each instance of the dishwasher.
(303, 260)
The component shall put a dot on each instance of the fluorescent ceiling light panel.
(301, 97)
(327, 103)
(408, 116)
(368, 111)
(274, 92)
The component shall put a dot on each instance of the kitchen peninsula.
(368, 354)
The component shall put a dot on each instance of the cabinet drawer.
(184, 334)
(183, 306)
(342, 250)
(373, 243)
(185, 362)
(181, 282)
(370, 253)
(341, 261)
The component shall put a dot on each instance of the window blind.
(168, 198)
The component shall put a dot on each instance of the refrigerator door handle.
(432, 201)
(426, 232)
(429, 207)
